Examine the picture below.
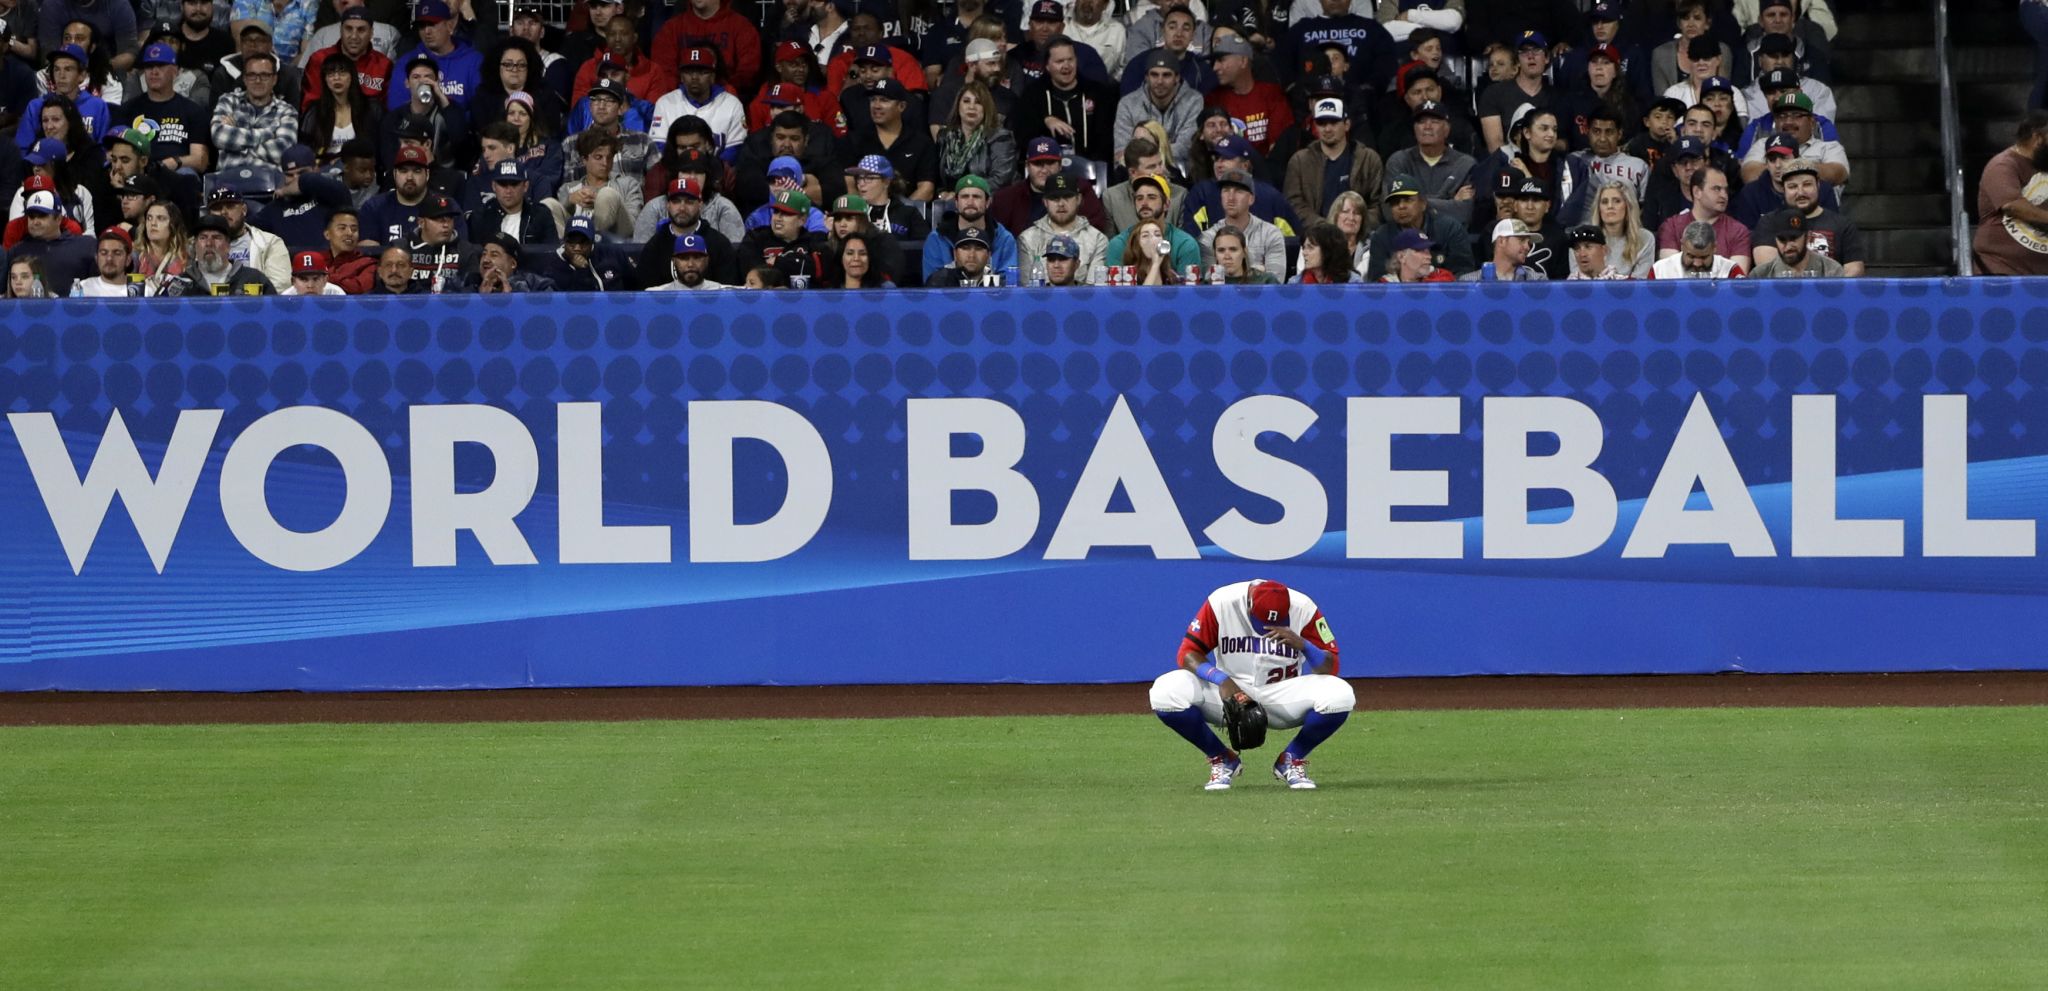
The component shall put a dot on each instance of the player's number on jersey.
(1278, 675)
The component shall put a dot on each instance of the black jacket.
(655, 265)
(536, 223)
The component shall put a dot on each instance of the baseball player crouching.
(1275, 665)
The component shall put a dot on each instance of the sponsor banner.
(776, 488)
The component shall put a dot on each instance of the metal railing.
(1951, 144)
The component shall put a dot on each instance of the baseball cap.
(691, 244)
(72, 52)
(1162, 59)
(1327, 108)
(971, 181)
(509, 170)
(1531, 188)
(38, 184)
(971, 235)
(1042, 150)
(875, 54)
(792, 51)
(1584, 234)
(1794, 101)
(44, 202)
(1326, 85)
(1229, 44)
(1059, 186)
(431, 12)
(1768, 4)
(981, 50)
(1412, 240)
(138, 185)
(1431, 108)
(1778, 79)
(1062, 246)
(159, 54)
(1048, 10)
(416, 130)
(296, 157)
(1515, 228)
(1158, 182)
(117, 234)
(1789, 221)
(412, 155)
(309, 263)
(253, 27)
(1531, 39)
(1702, 47)
(211, 222)
(580, 227)
(437, 207)
(699, 57)
(363, 14)
(1781, 144)
(608, 87)
(686, 187)
(1270, 603)
(850, 203)
(1801, 166)
(1233, 146)
(694, 160)
(785, 167)
(46, 151)
(873, 165)
(1236, 177)
(783, 95)
(889, 88)
(1716, 84)
(792, 201)
(224, 193)
(1402, 185)
(505, 243)
(1604, 10)
(422, 59)
(1688, 148)
(1604, 51)
(1776, 44)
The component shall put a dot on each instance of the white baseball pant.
(1287, 702)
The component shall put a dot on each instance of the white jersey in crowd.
(1674, 268)
(1225, 626)
(676, 285)
(329, 289)
(724, 112)
(1620, 166)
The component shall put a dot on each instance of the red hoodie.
(738, 43)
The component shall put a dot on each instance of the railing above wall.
(1951, 144)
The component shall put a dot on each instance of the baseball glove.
(1246, 722)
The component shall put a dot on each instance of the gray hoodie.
(1179, 118)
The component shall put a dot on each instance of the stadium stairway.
(1994, 65)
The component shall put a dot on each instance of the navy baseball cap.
(72, 52)
(875, 54)
(358, 14)
(1604, 10)
(1412, 240)
(691, 244)
(1233, 146)
(1043, 150)
(1531, 39)
(1716, 84)
(509, 170)
(431, 12)
(890, 88)
(1689, 148)
(580, 227)
(297, 157)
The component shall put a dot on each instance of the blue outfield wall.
(1019, 486)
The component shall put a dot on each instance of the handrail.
(1951, 144)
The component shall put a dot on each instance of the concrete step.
(1890, 210)
(1885, 65)
(1923, 246)
(1993, 63)
(1890, 138)
(1989, 99)
(1985, 136)
(1875, 101)
(1916, 174)
(1885, 29)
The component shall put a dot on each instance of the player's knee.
(1175, 690)
(1335, 696)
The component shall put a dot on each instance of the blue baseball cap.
(1689, 148)
(1716, 84)
(46, 151)
(784, 165)
(432, 12)
(581, 226)
(873, 53)
(72, 52)
(1233, 146)
(1062, 246)
(691, 244)
(509, 170)
(159, 54)
(1604, 10)
(1412, 240)
(1531, 39)
(873, 165)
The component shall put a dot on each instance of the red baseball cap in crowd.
(413, 155)
(700, 57)
(309, 263)
(117, 234)
(791, 51)
(685, 186)
(783, 95)
(1270, 603)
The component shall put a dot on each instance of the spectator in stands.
(47, 163)
(789, 135)
(981, 62)
(110, 271)
(310, 276)
(123, 183)
(25, 278)
(1440, 171)
(700, 96)
(1659, 133)
(354, 49)
(971, 201)
(1369, 51)
(1062, 199)
(885, 253)
(1600, 90)
(339, 112)
(203, 43)
(460, 67)
(1630, 248)
(713, 23)
(1418, 88)
(59, 24)
(645, 78)
(347, 266)
(633, 115)
(1020, 204)
(1790, 255)
(632, 149)
(1672, 60)
(1709, 196)
(1793, 115)
(1414, 260)
(1324, 259)
(1267, 245)
(1407, 209)
(496, 145)
(1142, 161)
(1775, 84)
(854, 265)
(394, 273)
(359, 171)
(909, 149)
(1171, 34)
(582, 264)
(1778, 22)
(765, 277)
(778, 98)
(1605, 161)
(424, 111)
(510, 211)
(1232, 260)
(787, 173)
(1704, 66)
(247, 243)
(1513, 241)
(1603, 30)
(299, 207)
(254, 127)
(874, 180)
(1767, 194)
(974, 142)
(393, 217)
(684, 214)
(1500, 104)
(689, 152)
(252, 40)
(1163, 98)
(498, 269)
(786, 234)
(214, 271)
(969, 264)
(1062, 261)
(1535, 151)
(67, 91)
(1776, 56)
(1149, 203)
(182, 124)
(1234, 154)
(162, 248)
(1092, 26)
(1531, 204)
(513, 65)
(1145, 253)
(1697, 257)
(1671, 182)
(1828, 232)
(438, 258)
(1348, 214)
(1045, 21)
(2012, 230)
(597, 192)
(20, 30)
(1260, 106)
(1335, 164)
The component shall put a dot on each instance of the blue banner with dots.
(1019, 485)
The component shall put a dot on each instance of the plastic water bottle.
(1037, 273)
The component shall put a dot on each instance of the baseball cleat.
(1222, 770)
(1294, 771)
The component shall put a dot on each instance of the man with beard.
(970, 265)
(1697, 258)
(1603, 155)
(689, 259)
(699, 96)
(394, 217)
(510, 210)
(1164, 99)
(1075, 111)
(497, 269)
(182, 124)
(581, 264)
(716, 24)
(437, 257)
(213, 271)
(1788, 256)
(205, 44)
(785, 235)
(1148, 201)
(247, 243)
(347, 266)
(110, 280)
(1020, 204)
(1793, 115)
(970, 209)
(1827, 232)
(353, 44)
(136, 193)
(789, 135)
(1512, 242)
(394, 273)
(1063, 197)
(1335, 164)
(2012, 236)
(685, 205)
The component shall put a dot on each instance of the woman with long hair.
(25, 279)
(514, 65)
(1323, 258)
(974, 143)
(1147, 250)
(1234, 261)
(341, 112)
(539, 144)
(1630, 248)
(163, 250)
(1348, 213)
(856, 265)
(61, 120)
(1154, 130)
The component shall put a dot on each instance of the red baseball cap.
(700, 57)
(309, 263)
(783, 95)
(1270, 603)
(792, 51)
(414, 155)
(686, 186)
(118, 234)
(39, 184)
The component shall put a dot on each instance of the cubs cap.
(1412, 240)
(1062, 246)
(1327, 109)
(159, 54)
(1515, 228)
(691, 244)
(42, 202)
(437, 207)
(72, 52)
(431, 12)
(971, 235)
(1584, 234)
(309, 263)
(1042, 150)
(792, 201)
(685, 187)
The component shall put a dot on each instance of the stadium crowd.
(208, 147)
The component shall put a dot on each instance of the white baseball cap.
(42, 201)
(1515, 228)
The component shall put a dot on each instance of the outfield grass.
(1780, 848)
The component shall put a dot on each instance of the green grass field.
(1780, 848)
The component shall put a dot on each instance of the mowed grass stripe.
(1645, 848)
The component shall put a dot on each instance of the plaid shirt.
(257, 136)
(288, 30)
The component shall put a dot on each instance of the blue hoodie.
(462, 71)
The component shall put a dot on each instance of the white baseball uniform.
(1266, 669)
